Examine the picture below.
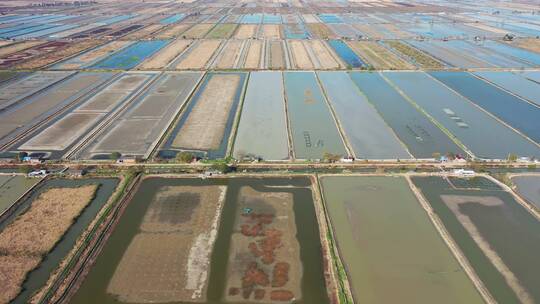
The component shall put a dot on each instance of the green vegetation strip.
(344, 297)
(129, 181)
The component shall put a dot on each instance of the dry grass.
(197, 31)
(323, 54)
(230, 55)
(320, 30)
(144, 32)
(26, 240)
(271, 31)
(277, 55)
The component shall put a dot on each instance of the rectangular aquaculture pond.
(470, 125)
(138, 128)
(262, 131)
(499, 237)
(528, 187)
(43, 229)
(367, 133)
(422, 137)
(206, 123)
(314, 131)
(212, 241)
(347, 55)
(514, 111)
(131, 56)
(391, 250)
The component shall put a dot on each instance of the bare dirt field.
(26, 240)
(172, 31)
(93, 55)
(197, 31)
(205, 125)
(57, 55)
(300, 55)
(320, 30)
(230, 55)
(378, 56)
(246, 31)
(253, 55)
(276, 55)
(166, 55)
(169, 259)
(6, 50)
(270, 31)
(199, 55)
(323, 54)
(264, 260)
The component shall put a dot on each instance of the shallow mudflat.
(391, 250)
(498, 236)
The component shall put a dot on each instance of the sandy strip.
(166, 55)
(205, 125)
(200, 55)
(253, 57)
(246, 31)
(453, 202)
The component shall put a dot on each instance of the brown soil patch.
(264, 262)
(204, 127)
(144, 32)
(166, 55)
(198, 57)
(168, 260)
(26, 240)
